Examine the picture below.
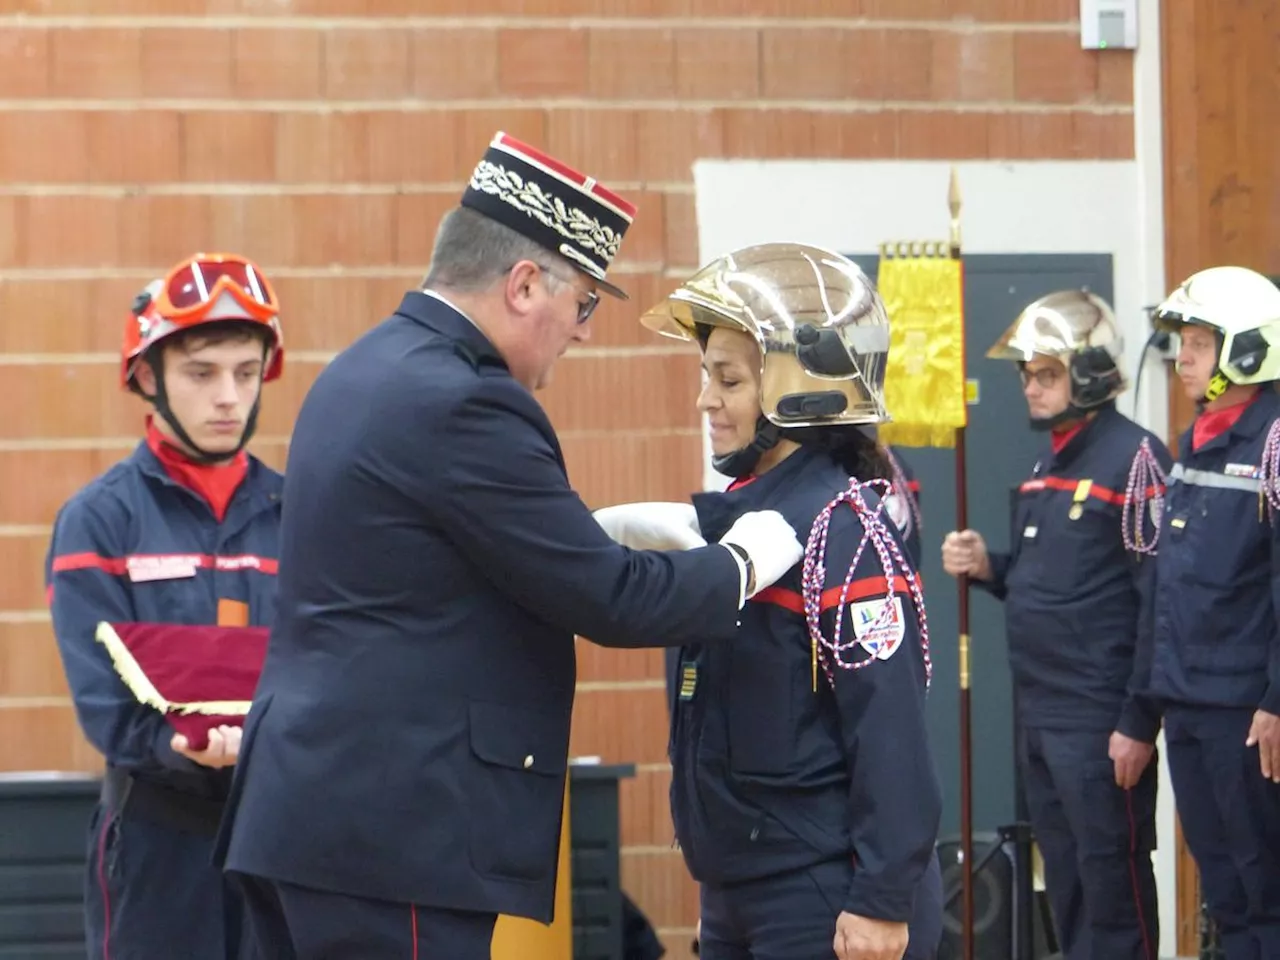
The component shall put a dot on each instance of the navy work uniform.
(1216, 661)
(1077, 603)
(403, 767)
(926, 919)
(792, 804)
(136, 545)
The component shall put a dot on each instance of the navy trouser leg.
(289, 922)
(1230, 818)
(1096, 841)
(793, 916)
(151, 890)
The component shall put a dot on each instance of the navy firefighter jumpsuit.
(793, 804)
(135, 545)
(1216, 661)
(1077, 605)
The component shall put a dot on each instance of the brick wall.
(326, 137)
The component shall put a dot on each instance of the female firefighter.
(803, 794)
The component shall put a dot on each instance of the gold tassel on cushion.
(144, 690)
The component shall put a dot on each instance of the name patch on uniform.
(174, 566)
(879, 626)
(1242, 470)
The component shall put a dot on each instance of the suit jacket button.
(528, 761)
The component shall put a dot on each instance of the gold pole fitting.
(954, 204)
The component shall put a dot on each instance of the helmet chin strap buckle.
(1218, 385)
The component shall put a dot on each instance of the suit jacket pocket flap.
(519, 738)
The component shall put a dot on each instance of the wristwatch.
(746, 562)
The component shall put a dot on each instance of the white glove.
(652, 526)
(770, 542)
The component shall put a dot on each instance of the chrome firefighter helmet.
(1242, 307)
(822, 329)
(1078, 329)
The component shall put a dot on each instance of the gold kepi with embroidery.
(565, 211)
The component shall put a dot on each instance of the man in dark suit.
(402, 772)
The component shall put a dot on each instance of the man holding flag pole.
(1077, 582)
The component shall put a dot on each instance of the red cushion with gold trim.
(199, 677)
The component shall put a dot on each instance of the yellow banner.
(924, 379)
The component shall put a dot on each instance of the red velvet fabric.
(193, 664)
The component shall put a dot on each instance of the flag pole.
(962, 584)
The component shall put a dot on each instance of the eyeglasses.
(585, 307)
(588, 306)
(1045, 377)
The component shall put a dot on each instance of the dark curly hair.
(858, 454)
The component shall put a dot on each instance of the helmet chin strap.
(194, 451)
(741, 462)
(1069, 415)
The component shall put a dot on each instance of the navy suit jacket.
(409, 737)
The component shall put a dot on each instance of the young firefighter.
(183, 531)
(1216, 665)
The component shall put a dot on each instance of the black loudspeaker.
(1010, 920)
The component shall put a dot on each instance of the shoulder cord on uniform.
(903, 488)
(1146, 484)
(1269, 473)
(830, 652)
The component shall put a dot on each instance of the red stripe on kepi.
(508, 142)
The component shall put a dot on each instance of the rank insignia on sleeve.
(688, 680)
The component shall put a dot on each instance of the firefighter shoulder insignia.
(879, 626)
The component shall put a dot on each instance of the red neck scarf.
(1214, 423)
(1061, 436)
(216, 484)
